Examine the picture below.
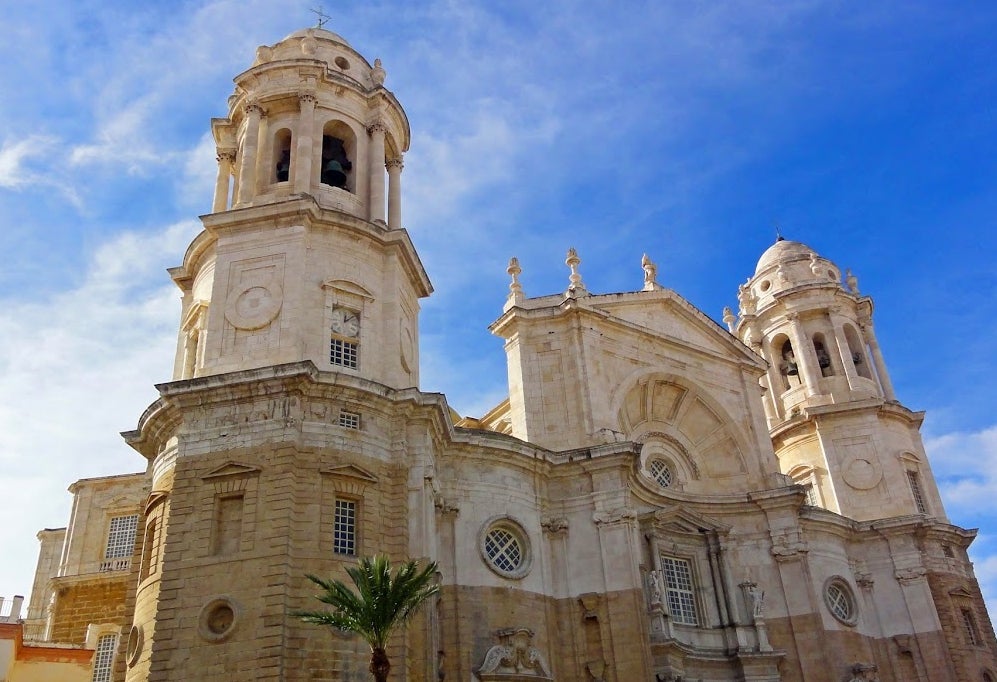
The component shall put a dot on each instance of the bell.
(333, 174)
(791, 369)
(283, 171)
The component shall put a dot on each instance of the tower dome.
(784, 250)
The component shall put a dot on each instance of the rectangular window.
(811, 495)
(349, 420)
(103, 658)
(228, 524)
(915, 489)
(970, 624)
(345, 534)
(120, 543)
(679, 588)
(343, 353)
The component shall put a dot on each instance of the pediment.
(154, 498)
(230, 469)
(665, 314)
(961, 593)
(351, 471)
(347, 287)
(680, 520)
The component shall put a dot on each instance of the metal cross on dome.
(323, 18)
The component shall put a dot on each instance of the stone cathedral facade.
(658, 498)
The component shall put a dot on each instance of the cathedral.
(659, 497)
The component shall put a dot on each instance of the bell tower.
(280, 448)
(303, 256)
(835, 421)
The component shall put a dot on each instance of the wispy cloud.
(16, 157)
(77, 368)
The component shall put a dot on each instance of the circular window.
(764, 286)
(134, 645)
(839, 600)
(661, 472)
(505, 548)
(342, 63)
(217, 620)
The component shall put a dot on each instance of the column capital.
(225, 155)
(392, 164)
(254, 108)
(307, 98)
(377, 127)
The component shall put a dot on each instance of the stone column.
(877, 359)
(806, 360)
(303, 150)
(250, 146)
(226, 159)
(377, 131)
(395, 166)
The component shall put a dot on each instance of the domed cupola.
(312, 117)
(815, 332)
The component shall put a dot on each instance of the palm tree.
(381, 602)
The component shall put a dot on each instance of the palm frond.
(381, 601)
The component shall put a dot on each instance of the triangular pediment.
(681, 520)
(961, 592)
(231, 469)
(666, 314)
(351, 471)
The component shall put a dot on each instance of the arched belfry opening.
(282, 155)
(338, 153)
(856, 348)
(823, 355)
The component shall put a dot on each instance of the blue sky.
(685, 130)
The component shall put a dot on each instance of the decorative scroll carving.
(864, 672)
(514, 658)
(909, 575)
(590, 605)
(788, 545)
(864, 580)
(614, 516)
(555, 525)
(446, 506)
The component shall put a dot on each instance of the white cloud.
(15, 171)
(965, 465)
(77, 368)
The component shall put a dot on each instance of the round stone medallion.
(254, 306)
(862, 474)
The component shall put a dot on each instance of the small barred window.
(839, 600)
(969, 623)
(345, 531)
(661, 472)
(349, 420)
(343, 353)
(505, 548)
(915, 490)
(680, 590)
(121, 537)
(103, 658)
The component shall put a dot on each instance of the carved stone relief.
(514, 658)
